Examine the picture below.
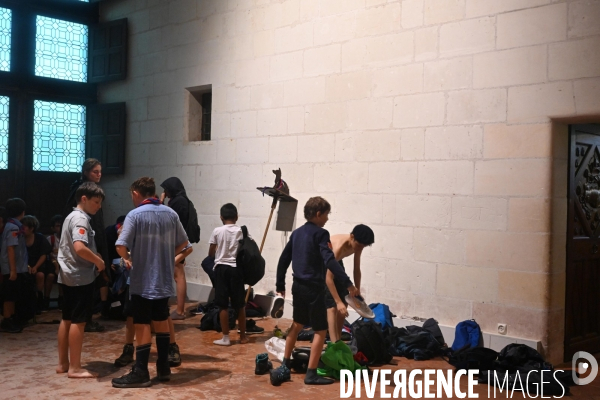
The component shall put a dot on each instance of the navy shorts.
(309, 304)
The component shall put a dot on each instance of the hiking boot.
(135, 379)
(263, 365)
(126, 357)
(163, 373)
(94, 326)
(174, 355)
(9, 325)
(279, 375)
(277, 309)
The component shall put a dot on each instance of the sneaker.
(252, 328)
(174, 355)
(135, 379)
(198, 310)
(277, 309)
(176, 316)
(279, 375)
(263, 365)
(163, 373)
(94, 326)
(126, 357)
(10, 326)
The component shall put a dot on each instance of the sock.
(142, 354)
(224, 341)
(287, 362)
(312, 378)
(162, 348)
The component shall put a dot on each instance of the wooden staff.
(262, 244)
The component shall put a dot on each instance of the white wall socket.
(502, 329)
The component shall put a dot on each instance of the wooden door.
(582, 309)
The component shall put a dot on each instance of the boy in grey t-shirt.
(79, 265)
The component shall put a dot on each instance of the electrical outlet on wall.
(502, 329)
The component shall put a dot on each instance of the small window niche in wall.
(198, 113)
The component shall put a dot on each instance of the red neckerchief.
(150, 200)
(21, 230)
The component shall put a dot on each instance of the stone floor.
(28, 361)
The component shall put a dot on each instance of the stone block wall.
(432, 121)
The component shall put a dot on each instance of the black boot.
(126, 357)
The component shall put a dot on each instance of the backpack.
(414, 342)
(432, 326)
(480, 358)
(211, 320)
(368, 339)
(467, 335)
(250, 260)
(383, 315)
(192, 229)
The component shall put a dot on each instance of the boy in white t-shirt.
(229, 280)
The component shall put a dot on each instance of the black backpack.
(250, 260)
(192, 229)
(480, 358)
(368, 339)
(211, 320)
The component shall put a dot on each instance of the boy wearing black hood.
(178, 201)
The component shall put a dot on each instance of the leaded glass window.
(5, 31)
(4, 132)
(61, 49)
(58, 136)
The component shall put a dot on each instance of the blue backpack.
(467, 335)
(383, 315)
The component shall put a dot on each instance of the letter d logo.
(590, 364)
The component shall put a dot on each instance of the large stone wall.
(432, 121)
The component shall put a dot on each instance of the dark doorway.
(582, 308)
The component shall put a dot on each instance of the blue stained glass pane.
(5, 23)
(58, 136)
(3, 132)
(61, 49)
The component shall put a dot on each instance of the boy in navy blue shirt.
(311, 256)
(13, 262)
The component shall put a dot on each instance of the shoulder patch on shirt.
(15, 233)
(81, 231)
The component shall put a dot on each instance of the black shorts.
(47, 269)
(78, 302)
(229, 283)
(13, 289)
(309, 304)
(147, 310)
(341, 290)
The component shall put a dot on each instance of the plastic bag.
(276, 347)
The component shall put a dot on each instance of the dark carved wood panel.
(582, 308)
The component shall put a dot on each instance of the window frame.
(21, 84)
